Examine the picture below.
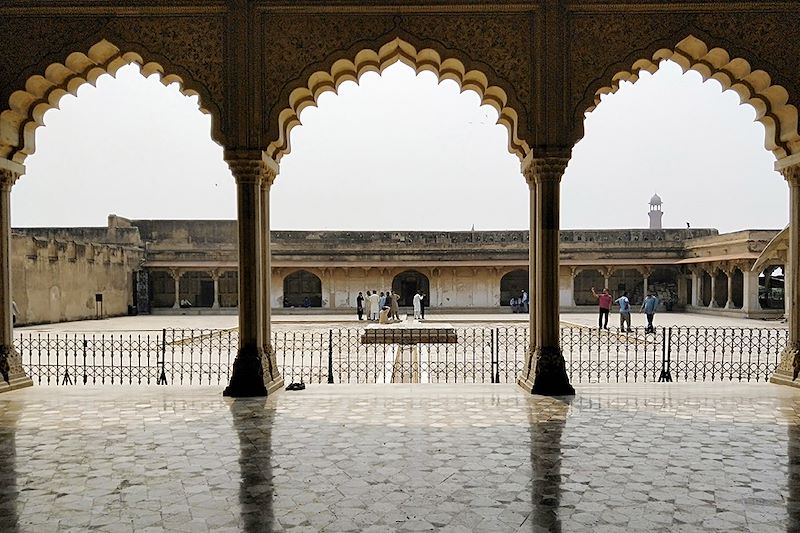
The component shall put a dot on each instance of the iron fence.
(395, 355)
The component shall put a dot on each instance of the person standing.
(604, 306)
(395, 308)
(417, 305)
(524, 300)
(381, 302)
(422, 305)
(360, 306)
(624, 312)
(374, 307)
(649, 308)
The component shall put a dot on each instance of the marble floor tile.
(649, 457)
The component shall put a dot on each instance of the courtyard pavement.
(129, 324)
(651, 457)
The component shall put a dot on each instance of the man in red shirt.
(604, 300)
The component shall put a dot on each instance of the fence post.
(85, 377)
(495, 368)
(162, 379)
(666, 337)
(330, 356)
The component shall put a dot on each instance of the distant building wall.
(57, 280)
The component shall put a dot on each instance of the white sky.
(399, 151)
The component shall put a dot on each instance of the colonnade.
(255, 371)
(215, 274)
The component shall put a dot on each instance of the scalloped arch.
(368, 60)
(754, 87)
(26, 108)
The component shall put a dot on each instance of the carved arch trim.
(27, 107)
(368, 60)
(754, 87)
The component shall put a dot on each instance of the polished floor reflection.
(654, 457)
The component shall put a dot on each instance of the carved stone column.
(789, 367)
(729, 273)
(176, 277)
(215, 276)
(750, 301)
(713, 303)
(646, 271)
(247, 378)
(545, 371)
(573, 273)
(526, 378)
(13, 376)
(272, 377)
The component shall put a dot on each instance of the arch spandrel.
(754, 66)
(345, 47)
(41, 91)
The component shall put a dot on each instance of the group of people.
(605, 300)
(521, 304)
(373, 303)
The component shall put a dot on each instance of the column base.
(273, 380)
(547, 375)
(247, 379)
(789, 367)
(13, 376)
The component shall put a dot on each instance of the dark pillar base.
(247, 380)
(547, 375)
(787, 371)
(12, 376)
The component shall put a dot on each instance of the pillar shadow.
(9, 492)
(547, 417)
(793, 479)
(253, 419)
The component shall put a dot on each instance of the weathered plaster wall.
(57, 280)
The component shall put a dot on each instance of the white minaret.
(655, 212)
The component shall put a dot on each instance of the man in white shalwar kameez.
(374, 307)
(418, 305)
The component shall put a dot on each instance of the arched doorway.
(512, 284)
(197, 288)
(407, 283)
(302, 289)
(584, 281)
(627, 280)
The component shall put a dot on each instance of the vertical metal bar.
(330, 356)
(162, 378)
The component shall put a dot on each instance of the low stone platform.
(649, 457)
(409, 332)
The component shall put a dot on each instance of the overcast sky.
(401, 151)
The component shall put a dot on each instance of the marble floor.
(650, 457)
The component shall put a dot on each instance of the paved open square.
(652, 457)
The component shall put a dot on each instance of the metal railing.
(356, 355)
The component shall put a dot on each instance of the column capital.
(176, 273)
(269, 171)
(541, 169)
(791, 174)
(8, 178)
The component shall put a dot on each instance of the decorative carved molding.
(42, 92)
(371, 43)
(791, 174)
(754, 87)
(548, 168)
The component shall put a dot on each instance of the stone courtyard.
(651, 457)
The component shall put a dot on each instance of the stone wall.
(56, 280)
